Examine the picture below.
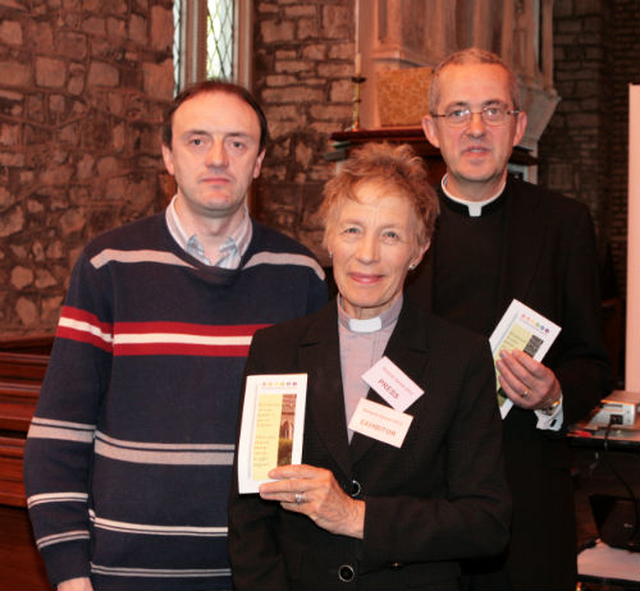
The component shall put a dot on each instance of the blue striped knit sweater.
(129, 454)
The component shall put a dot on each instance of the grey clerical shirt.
(362, 343)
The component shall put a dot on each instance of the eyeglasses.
(491, 115)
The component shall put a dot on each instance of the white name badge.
(395, 386)
(380, 422)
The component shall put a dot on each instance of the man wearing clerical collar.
(499, 238)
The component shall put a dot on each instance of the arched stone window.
(211, 40)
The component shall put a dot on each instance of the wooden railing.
(23, 363)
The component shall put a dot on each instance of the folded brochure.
(272, 426)
(521, 328)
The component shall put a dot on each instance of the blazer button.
(346, 573)
(356, 489)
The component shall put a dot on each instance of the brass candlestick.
(357, 81)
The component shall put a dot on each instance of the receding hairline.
(231, 133)
(214, 86)
(469, 57)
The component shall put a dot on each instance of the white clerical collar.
(474, 207)
(367, 325)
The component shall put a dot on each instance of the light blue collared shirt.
(231, 250)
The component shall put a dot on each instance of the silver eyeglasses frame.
(457, 117)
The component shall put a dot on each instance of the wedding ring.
(525, 394)
(299, 497)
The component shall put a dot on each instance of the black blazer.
(439, 498)
(549, 263)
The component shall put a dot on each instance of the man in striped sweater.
(128, 458)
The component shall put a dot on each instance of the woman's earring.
(330, 255)
(412, 266)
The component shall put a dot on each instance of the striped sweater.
(128, 458)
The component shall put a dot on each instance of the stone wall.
(83, 85)
(304, 60)
(583, 152)
(303, 67)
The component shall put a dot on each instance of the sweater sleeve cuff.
(67, 561)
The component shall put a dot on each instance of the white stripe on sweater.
(156, 530)
(191, 339)
(59, 497)
(109, 255)
(69, 536)
(64, 430)
(162, 573)
(285, 258)
(180, 454)
(83, 326)
(157, 256)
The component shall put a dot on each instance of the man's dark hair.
(213, 85)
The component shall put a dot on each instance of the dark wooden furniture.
(21, 376)
(23, 363)
(40, 343)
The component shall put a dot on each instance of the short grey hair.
(472, 55)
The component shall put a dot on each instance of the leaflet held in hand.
(271, 431)
(524, 329)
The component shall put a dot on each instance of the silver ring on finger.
(526, 393)
(299, 498)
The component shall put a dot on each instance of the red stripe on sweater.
(82, 336)
(84, 316)
(181, 349)
(233, 330)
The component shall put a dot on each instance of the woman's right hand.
(314, 492)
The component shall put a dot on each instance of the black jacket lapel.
(319, 352)
(525, 233)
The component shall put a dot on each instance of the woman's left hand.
(314, 492)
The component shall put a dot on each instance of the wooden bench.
(11, 486)
(21, 376)
(36, 344)
(23, 364)
(18, 401)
